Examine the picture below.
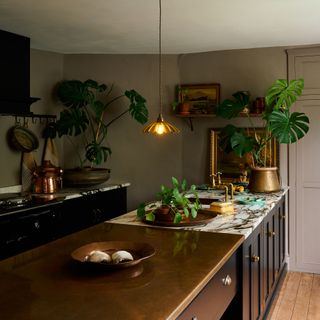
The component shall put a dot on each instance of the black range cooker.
(29, 221)
(25, 223)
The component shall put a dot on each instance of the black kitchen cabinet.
(252, 275)
(28, 228)
(83, 212)
(274, 249)
(263, 262)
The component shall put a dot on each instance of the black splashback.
(15, 74)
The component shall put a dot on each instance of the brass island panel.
(46, 283)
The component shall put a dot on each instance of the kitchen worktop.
(47, 199)
(46, 283)
(70, 193)
(249, 211)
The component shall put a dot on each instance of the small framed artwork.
(234, 168)
(202, 97)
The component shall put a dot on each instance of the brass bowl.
(85, 177)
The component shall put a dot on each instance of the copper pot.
(47, 178)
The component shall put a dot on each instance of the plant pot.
(184, 108)
(164, 213)
(85, 177)
(264, 180)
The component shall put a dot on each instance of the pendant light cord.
(160, 62)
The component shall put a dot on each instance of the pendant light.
(160, 126)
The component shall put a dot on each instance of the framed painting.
(201, 97)
(234, 168)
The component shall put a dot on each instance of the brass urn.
(264, 180)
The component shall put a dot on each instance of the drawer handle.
(227, 281)
(271, 233)
(282, 216)
(255, 258)
(194, 318)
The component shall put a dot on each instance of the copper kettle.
(47, 178)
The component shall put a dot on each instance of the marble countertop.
(70, 193)
(243, 221)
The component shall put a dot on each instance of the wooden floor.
(298, 299)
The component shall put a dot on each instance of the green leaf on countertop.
(194, 212)
(150, 216)
(177, 218)
(186, 212)
(141, 211)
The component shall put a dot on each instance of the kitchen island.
(262, 220)
(45, 283)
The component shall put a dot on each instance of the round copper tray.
(203, 217)
(139, 251)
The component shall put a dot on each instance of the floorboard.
(298, 298)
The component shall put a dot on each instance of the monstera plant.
(279, 122)
(86, 105)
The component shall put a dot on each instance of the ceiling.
(131, 26)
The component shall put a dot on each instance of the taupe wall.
(143, 160)
(253, 70)
(46, 70)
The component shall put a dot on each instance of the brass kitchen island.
(45, 283)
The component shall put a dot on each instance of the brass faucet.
(218, 174)
(212, 180)
(226, 194)
(231, 190)
(213, 183)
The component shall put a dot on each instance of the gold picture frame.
(232, 166)
(202, 97)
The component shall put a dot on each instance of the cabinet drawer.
(215, 297)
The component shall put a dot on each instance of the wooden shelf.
(210, 115)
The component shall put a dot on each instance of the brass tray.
(203, 217)
(139, 251)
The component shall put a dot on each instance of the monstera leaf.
(77, 94)
(97, 153)
(72, 122)
(283, 94)
(231, 108)
(137, 107)
(288, 127)
(242, 143)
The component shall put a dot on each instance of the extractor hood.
(15, 74)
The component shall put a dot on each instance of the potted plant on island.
(85, 106)
(279, 123)
(174, 205)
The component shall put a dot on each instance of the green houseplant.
(181, 105)
(85, 114)
(173, 203)
(278, 122)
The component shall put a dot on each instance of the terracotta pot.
(164, 213)
(264, 180)
(184, 108)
